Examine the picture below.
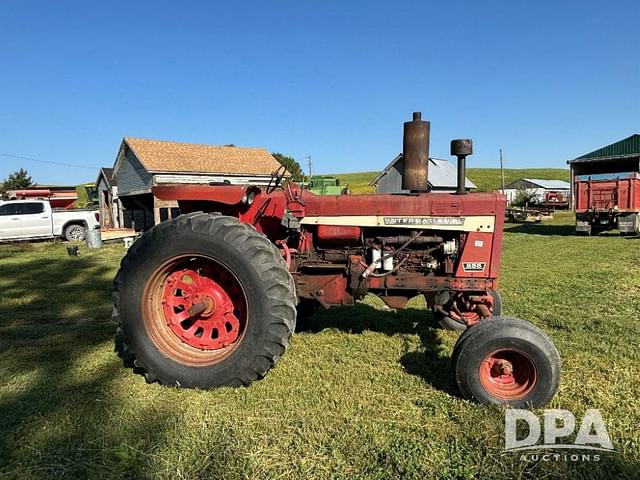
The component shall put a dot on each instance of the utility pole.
(501, 174)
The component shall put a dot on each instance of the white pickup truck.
(35, 219)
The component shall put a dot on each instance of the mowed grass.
(361, 393)
(486, 179)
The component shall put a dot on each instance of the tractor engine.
(443, 245)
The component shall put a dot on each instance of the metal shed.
(539, 187)
(442, 177)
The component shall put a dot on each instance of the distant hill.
(487, 179)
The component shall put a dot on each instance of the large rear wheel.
(203, 301)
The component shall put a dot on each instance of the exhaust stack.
(415, 154)
(461, 148)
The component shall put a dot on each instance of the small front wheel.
(507, 361)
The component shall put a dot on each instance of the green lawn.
(486, 179)
(362, 392)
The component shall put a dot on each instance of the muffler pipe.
(415, 154)
(461, 148)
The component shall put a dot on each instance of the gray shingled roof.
(108, 175)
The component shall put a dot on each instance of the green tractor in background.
(87, 196)
(326, 185)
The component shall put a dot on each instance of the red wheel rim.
(508, 374)
(195, 310)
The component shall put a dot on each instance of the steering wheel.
(276, 178)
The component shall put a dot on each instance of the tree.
(524, 198)
(17, 180)
(293, 167)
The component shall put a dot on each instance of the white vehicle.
(35, 219)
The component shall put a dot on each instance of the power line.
(19, 157)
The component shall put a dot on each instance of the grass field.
(361, 393)
(486, 179)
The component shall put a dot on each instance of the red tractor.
(209, 299)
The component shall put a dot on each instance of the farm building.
(544, 190)
(442, 177)
(111, 215)
(142, 164)
(619, 157)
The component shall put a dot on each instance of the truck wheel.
(506, 361)
(203, 301)
(74, 232)
(448, 323)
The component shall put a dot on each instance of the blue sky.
(544, 80)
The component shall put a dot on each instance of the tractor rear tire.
(203, 301)
(448, 323)
(506, 361)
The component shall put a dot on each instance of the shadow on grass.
(431, 364)
(57, 394)
(541, 229)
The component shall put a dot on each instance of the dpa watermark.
(554, 437)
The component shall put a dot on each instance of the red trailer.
(58, 197)
(607, 201)
(556, 200)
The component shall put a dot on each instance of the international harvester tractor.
(209, 299)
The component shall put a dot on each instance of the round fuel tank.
(342, 236)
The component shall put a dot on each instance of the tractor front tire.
(203, 301)
(506, 361)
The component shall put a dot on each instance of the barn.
(442, 177)
(142, 164)
(543, 189)
(108, 203)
